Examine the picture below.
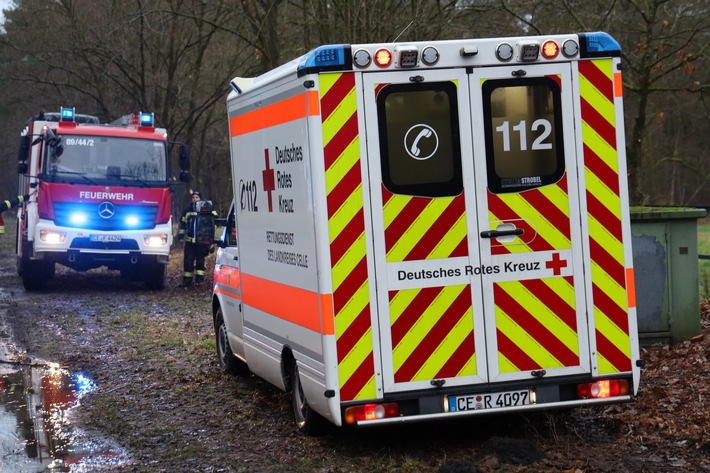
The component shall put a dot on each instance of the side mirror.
(22, 168)
(184, 160)
(24, 150)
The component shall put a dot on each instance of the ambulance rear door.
(530, 240)
(475, 226)
(424, 229)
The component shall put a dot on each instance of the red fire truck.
(100, 196)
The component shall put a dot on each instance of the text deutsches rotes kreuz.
(508, 267)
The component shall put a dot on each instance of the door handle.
(499, 233)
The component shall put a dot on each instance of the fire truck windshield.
(77, 158)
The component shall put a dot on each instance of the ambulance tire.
(308, 421)
(228, 363)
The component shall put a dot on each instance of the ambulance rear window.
(523, 125)
(419, 139)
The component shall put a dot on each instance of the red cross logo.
(556, 264)
(269, 179)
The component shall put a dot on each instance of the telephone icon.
(425, 133)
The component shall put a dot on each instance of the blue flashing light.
(78, 218)
(67, 114)
(598, 45)
(146, 119)
(326, 58)
(132, 221)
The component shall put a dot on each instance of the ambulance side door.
(228, 285)
(527, 192)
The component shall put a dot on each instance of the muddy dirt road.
(160, 404)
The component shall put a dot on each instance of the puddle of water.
(36, 432)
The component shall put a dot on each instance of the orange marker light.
(550, 50)
(383, 57)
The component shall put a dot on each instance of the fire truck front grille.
(104, 216)
(87, 244)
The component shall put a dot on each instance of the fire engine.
(100, 196)
(431, 230)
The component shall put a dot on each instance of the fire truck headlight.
(78, 218)
(52, 237)
(157, 239)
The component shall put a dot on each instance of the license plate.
(473, 402)
(105, 238)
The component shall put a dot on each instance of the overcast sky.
(4, 4)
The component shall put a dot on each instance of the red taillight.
(383, 57)
(603, 389)
(370, 412)
(550, 49)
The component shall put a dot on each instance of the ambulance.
(431, 230)
(99, 196)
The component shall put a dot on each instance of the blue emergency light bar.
(598, 45)
(333, 57)
(146, 119)
(67, 114)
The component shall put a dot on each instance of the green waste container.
(665, 252)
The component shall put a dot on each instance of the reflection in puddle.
(36, 433)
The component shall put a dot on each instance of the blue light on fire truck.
(78, 218)
(146, 119)
(67, 114)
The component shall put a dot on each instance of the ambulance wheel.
(228, 363)
(308, 421)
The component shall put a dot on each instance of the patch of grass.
(107, 415)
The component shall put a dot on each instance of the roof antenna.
(402, 32)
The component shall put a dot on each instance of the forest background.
(175, 58)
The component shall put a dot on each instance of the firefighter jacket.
(188, 224)
(7, 205)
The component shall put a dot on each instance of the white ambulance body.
(430, 230)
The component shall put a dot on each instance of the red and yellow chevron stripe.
(432, 333)
(420, 228)
(432, 328)
(346, 224)
(536, 324)
(601, 171)
(545, 214)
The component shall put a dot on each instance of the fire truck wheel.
(155, 275)
(308, 421)
(227, 361)
(35, 274)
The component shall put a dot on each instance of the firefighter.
(7, 205)
(197, 243)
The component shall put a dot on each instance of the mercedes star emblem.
(106, 209)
